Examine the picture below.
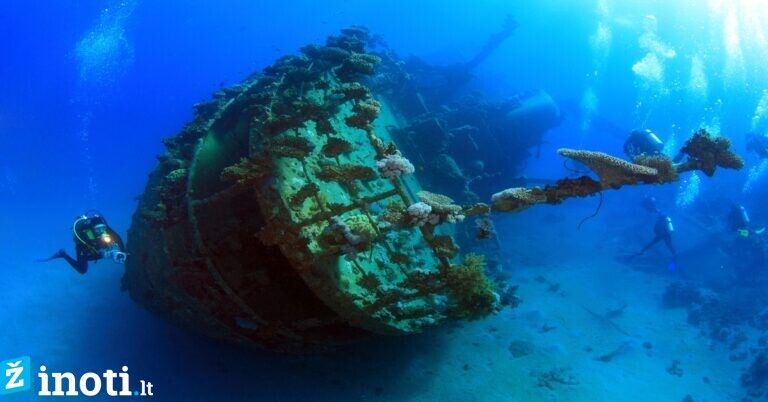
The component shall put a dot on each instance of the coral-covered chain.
(705, 153)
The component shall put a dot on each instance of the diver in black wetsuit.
(738, 219)
(662, 229)
(94, 240)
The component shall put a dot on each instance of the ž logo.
(15, 375)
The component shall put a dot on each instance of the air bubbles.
(755, 174)
(105, 53)
(688, 191)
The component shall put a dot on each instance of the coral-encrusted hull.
(244, 292)
(279, 216)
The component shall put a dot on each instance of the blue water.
(89, 88)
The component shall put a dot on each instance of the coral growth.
(707, 153)
(395, 214)
(478, 208)
(291, 147)
(345, 173)
(364, 113)
(352, 39)
(330, 54)
(442, 206)
(168, 162)
(353, 92)
(357, 64)
(399, 258)
(613, 172)
(361, 226)
(434, 209)
(472, 294)
(248, 170)
(445, 247)
(324, 126)
(517, 199)
(277, 124)
(350, 235)
(176, 176)
(306, 191)
(369, 281)
(666, 172)
(172, 194)
(335, 147)
(421, 214)
(394, 166)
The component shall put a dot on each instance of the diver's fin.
(57, 255)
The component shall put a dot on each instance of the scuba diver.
(645, 142)
(94, 240)
(758, 144)
(662, 231)
(738, 221)
(747, 248)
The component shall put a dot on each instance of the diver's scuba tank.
(653, 139)
(744, 216)
(669, 225)
(663, 225)
(643, 142)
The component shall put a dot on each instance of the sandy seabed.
(547, 349)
